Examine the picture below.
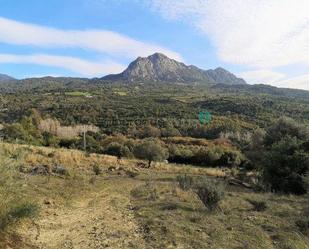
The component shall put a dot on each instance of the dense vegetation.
(243, 130)
(257, 145)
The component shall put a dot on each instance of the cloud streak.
(82, 67)
(298, 82)
(102, 41)
(259, 34)
(262, 76)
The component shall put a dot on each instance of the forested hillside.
(243, 135)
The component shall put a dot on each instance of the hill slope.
(84, 210)
(160, 68)
(5, 78)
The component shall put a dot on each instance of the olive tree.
(151, 150)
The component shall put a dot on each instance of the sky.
(262, 41)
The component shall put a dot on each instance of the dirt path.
(103, 220)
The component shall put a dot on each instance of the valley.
(125, 161)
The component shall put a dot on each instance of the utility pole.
(84, 132)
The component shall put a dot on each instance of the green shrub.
(210, 192)
(149, 131)
(303, 225)
(285, 127)
(185, 182)
(147, 191)
(151, 150)
(118, 150)
(113, 149)
(131, 173)
(306, 181)
(169, 206)
(285, 166)
(140, 192)
(96, 169)
(60, 170)
(258, 205)
(16, 212)
(231, 158)
(285, 156)
(49, 139)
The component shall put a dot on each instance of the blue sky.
(262, 41)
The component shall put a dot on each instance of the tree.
(285, 166)
(285, 127)
(149, 131)
(286, 157)
(49, 139)
(118, 150)
(151, 150)
(170, 131)
(14, 131)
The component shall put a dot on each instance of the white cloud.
(299, 82)
(276, 79)
(82, 67)
(102, 41)
(257, 33)
(261, 76)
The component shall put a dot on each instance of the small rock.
(47, 202)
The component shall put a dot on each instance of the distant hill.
(154, 69)
(261, 89)
(5, 78)
(160, 68)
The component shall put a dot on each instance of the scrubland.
(59, 198)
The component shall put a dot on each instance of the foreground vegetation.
(81, 201)
(80, 158)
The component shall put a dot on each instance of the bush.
(205, 156)
(170, 132)
(306, 181)
(49, 139)
(285, 166)
(303, 225)
(258, 205)
(151, 150)
(180, 154)
(210, 192)
(185, 182)
(60, 170)
(118, 150)
(285, 127)
(131, 173)
(147, 191)
(149, 131)
(14, 213)
(96, 169)
(285, 154)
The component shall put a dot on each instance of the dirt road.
(101, 220)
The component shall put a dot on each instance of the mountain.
(4, 78)
(261, 89)
(160, 68)
(222, 76)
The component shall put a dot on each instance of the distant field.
(78, 94)
(121, 93)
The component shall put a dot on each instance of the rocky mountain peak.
(160, 68)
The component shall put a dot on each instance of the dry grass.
(33, 155)
(160, 214)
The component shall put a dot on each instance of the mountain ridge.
(160, 68)
(4, 78)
